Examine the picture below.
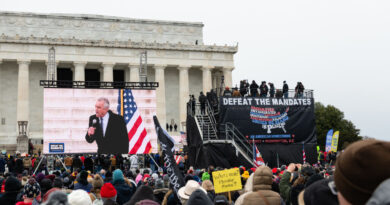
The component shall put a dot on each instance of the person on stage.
(108, 129)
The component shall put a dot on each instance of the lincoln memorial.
(102, 48)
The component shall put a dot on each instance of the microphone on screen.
(94, 121)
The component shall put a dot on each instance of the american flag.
(139, 140)
(178, 158)
(257, 158)
(303, 153)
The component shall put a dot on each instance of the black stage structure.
(282, 129)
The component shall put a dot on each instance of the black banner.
(271, 119)
(175, 177)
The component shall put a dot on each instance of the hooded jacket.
(199, 197)
(124, 191)
(142, 193)
(12, 188)
(262, 184)
(381, 194)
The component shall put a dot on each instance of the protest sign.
(227, 180)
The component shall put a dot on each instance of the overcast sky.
(338, 48)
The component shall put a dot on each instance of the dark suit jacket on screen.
(115, 141)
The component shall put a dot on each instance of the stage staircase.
(227, 133)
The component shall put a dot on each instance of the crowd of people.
(254, 90)
(359, 175)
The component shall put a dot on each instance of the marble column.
(227, 73)
(184, 92)
(206, 79)
(214, 80)
(79, 71)
(134, 72)
(108, 72)
(160, 93)
(22, 108)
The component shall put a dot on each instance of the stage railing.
(97, 84)
(232, 133)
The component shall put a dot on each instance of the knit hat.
(32, 189)
(155, 176)
(57, 197)
(143, 192)
(117, 175)
(318, 193)
(108, 191)
(97, 182)
(79, 197)
(39, 177)
(12, 185)
(361, 168)
(45, 184)
(245, 175)
(205, 176)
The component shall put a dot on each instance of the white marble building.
(109, 47)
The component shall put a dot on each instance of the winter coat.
(86, 187)
(2, 165)
(262, 184)
(19, 166)
(284, 186)
(199, 197)
(381, 194)
(143, 192)
(124, 191)
(27, 163)
(295, 192)
(88, 163)
(77, 163)
(68, 161)
(12, 189)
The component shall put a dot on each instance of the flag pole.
(154, 161)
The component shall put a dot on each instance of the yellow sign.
(227, 180)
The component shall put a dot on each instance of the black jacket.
(124, 191)
(115, 141)
(199, 197)
(285, 88)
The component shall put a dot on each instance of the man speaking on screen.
(108, 129)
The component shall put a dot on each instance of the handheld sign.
(227, 180)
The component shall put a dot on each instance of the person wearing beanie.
(318, 193)
(245, 175)
(11, 188)
(124, 191)
(31, 191)
(82, 182)
(142, 193)
(46, 185)
(208, 186)
(199, 197)
(205, 176)
(159, 190)
(108, 192)
(97, 184)
(79, 197)
(360, 169)
(57, 198)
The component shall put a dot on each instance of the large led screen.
(105, 121)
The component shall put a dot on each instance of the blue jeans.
(285, 95)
